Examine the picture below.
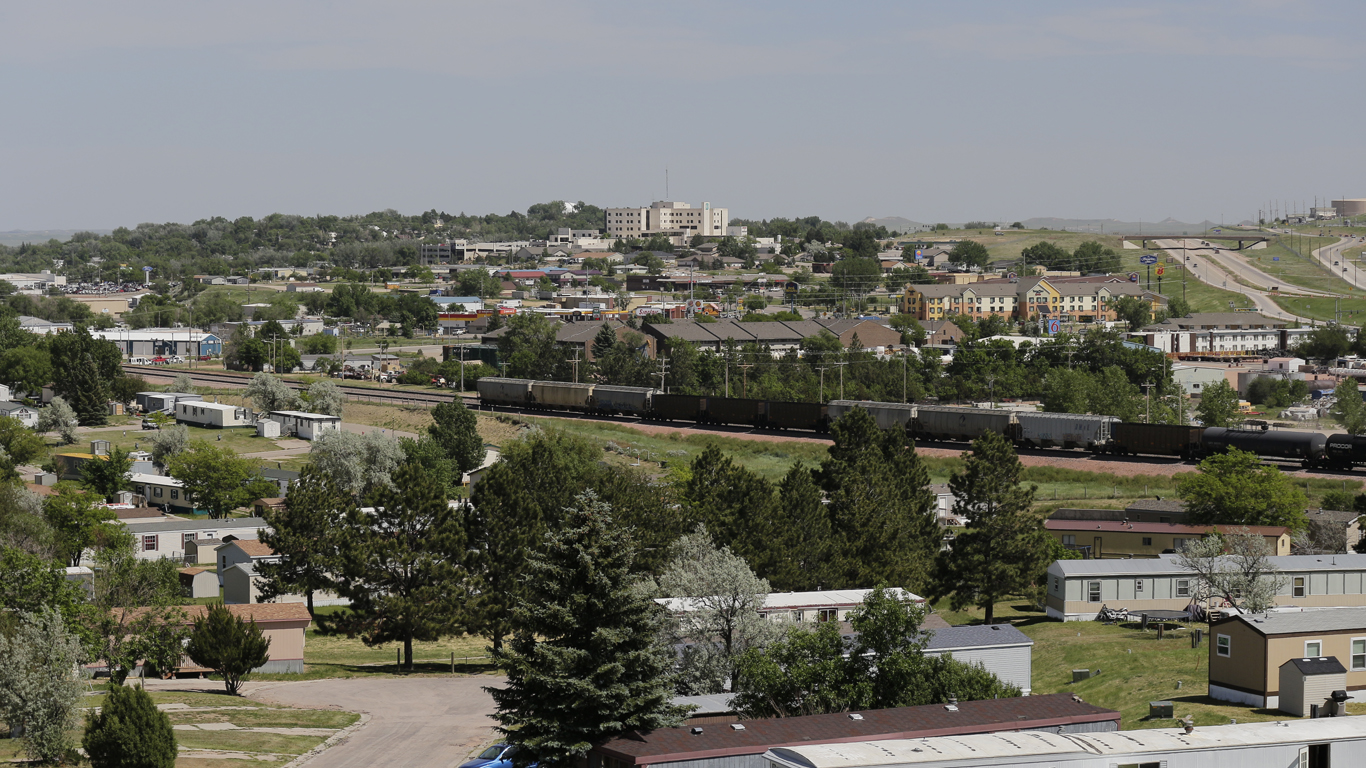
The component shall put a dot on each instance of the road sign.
(1160, 270)
(1054, 325)
(1217, 231)
(1011, 275)
(1133, 277)
(146, 269)
(1147, 258)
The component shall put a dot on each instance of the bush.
(228, 645)
(129, 732)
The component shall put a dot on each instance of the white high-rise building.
(678, 220)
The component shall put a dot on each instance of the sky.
(112, 114)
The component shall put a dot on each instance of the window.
(156, 492)
(1183, 588)
(1358, 653)
(1093, 591)
(1223, 645)
(828, 614)
(186, 539)
(1138, 585)
(1299, 587)
(149, 543)
(175, 493)
(1069, 539)
(1178, 543)
(1147, 541)
(1140, 765)
(1313, 649)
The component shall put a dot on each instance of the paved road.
(421, 722)
(1213, 273)
(1330, 256)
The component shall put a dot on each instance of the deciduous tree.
(357, 462)
(325, 397)
(60, 418)
(215, 479)
(456, 430)
(1218, 405)
(1234, 568)
(1348, 407)
(39, 690)
(108, 475)
(1235, 488)
(81, 523)
(268, 393)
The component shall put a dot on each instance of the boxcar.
(781, 415)
(1156, 439)
(1069, 430)
(498, 391)
(734, 410)
(676, 407)
(939, 422)
(631, 400)
(887, 415)
(561, 394)
(1308, 447)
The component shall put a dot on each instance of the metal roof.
(1292, 622)
(1167, 565)
(222, 524)
(976, 636)
(1000, 748)
(709, 704)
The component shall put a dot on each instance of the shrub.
(228, 645)
(129, 732)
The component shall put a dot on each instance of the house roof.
(222, 524)
(976, 636)
(138, 513)
(1331, 515)
(1217, 321)
(720, 740)
(1323, 665)
(261, 613)
(192, 571)
(1136, 527)
(1167, 564)
(252, 548)
(1292, 622)
(1158, 505)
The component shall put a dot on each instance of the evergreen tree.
(129, 732)
(730, 500)
(799, 558)
(402, 565)
(585, 662)
(108, 476)
(457, 432)
(304, 535)
(85, 367)
(603, 341)
(1002, 548)
(228, 645)
(882, 512)
(503, 525)
(87, 393)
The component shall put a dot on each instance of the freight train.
(1099, 434)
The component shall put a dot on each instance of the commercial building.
(677, 220)
(1078, 588)
(37, 282)
(1220, 334)
(735, 743)
(1099, 539)
(1246, 653)
(1320, 743)
(154, 342)
(1083, 301)
(779, 336)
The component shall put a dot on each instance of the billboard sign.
(1054, 326)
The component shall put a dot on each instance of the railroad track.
(354, 393)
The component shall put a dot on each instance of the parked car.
(496, 756)
(149, 424)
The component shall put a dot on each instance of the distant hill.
(898, 224)
(1098, 226)
(16, 237)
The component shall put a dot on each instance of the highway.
(1218, 274)
(1330, 256)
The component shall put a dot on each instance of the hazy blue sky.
(119, 113)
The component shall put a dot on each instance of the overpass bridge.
(1243, 241)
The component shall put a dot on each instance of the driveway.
(420, 722)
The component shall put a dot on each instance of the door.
(1095, 550)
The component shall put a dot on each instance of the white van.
(137, 361)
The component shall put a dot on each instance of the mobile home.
(202, 414)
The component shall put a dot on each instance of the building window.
(1069, 539)
(149, 543)
(1223, 645)
(156, 492)
(1358, 653)
(1177, 544)
(1147, 541)
(186, 540)
(1299, 587)
(1183, 588)
(827, 614)
(1313, 649)
(1138, 585)
(175, 493)
(1093, 591)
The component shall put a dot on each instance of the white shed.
(203, 414)
(267, 428)
(1310, 681)
(305, 426)
(198, 582)
(1001, 648)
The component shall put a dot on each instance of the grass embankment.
(1135, 667)
(188, 708)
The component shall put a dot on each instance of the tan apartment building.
(1099, 539)
(678, 220)
(1078, 588)
(1246, 653)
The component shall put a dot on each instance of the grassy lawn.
(238, 439)
(1353, 310)
(1135, 667)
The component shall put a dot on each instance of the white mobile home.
(202, 414)
(155, 539)
(305, 426)
(1001, 648)
(826, 605)
(162, 491)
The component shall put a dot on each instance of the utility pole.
(822, 370)
(1148, 402)
(744, 378)
(905, 357)
(663, 369)
(575, 362)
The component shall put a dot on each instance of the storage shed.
(267, 428)
(1310, 681)
(198, 582)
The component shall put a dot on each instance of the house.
(826, 605)
(154, 539)
(1333, 531)
(249, 551)
(283, 478)
(1001, 648)
(1078, 588)
(148, 402)
(941, 332)
(283, 624)
(943, 506)
(26, 414)
(198, 582)
(1315, 743)
(216, 415)
(733, 743)
(1246, 653)
(305, 426)
(1097, 539)
(162, 491)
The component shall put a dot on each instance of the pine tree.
(228, 645)
(503, 527)
(88, 393)
(304, 535)
(1002, 548)
(457, 432)
(402, 565)
(129, 732)
(585, 662)
(730, 500)
(603, 341)
(882, 512)
(798, 559)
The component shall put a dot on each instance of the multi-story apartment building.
(677, 220)
(1068, 300)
